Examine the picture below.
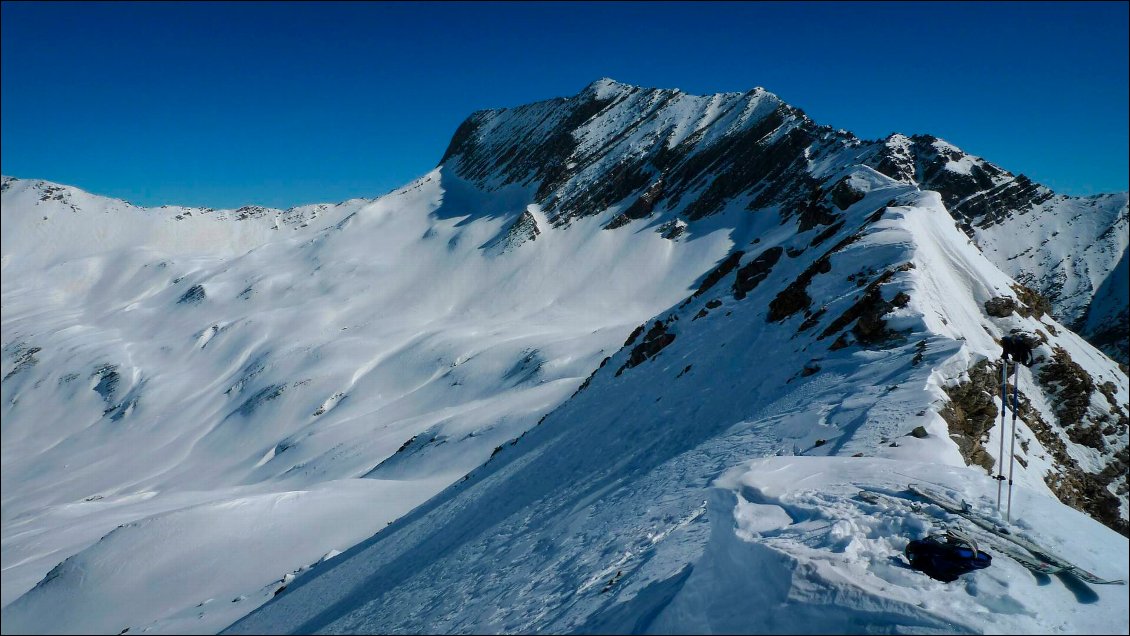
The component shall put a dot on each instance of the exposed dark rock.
(656, 339)
(588, 380)
(108, 379)
(878, 214)
(253, 368)
(812, 319)
(635, 334)
(107, 387)
(525, 228)
(742, 160)
(1033, 304)
(336, 398)
(794, 297)
(972, 411)
(1000, 307)
(266, 394)
(844, 195)
(752, 273)
(525, 368)
(1070, 386)
(826, 234)
(23, 358)
(641, 209)
(613, 186)
(919, 353)
(996, 203)
(870, 328)
(248, 212)
(406, 444)
(127, 404)
(814, 212)
(790, 300)
(194, 295)
(764, 158)
(868, 310)
(716, 274)
(672, 229)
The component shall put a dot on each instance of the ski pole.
(1004, 407)
(1012, 452)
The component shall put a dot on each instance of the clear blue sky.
(282, 104)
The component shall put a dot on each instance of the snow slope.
(1085, 272)
(202, 408)
(310, 358)
(1071, 250)
(707, 491)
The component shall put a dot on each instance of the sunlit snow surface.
(317, 351)
(199, 411)
(636, 507)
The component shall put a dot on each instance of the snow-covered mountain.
(655, 148)
(644, 345)
(1070, 250)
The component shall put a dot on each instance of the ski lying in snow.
(984, 539)
(963, 509)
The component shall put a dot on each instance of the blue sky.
(282, 104)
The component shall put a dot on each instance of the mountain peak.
(605, 88)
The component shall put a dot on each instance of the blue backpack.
(946, 556)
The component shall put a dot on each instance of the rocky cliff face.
(652, 153)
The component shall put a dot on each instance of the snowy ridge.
(594, 520)
(664, 155)
(1072, 250)
(240, 405)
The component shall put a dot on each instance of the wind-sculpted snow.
(548, 386)
(1068, 249)
(156, 360)
(639, 505)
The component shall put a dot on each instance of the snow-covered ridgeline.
(218, 392)
(1071, 250)
(696, 490)
(664, 154)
